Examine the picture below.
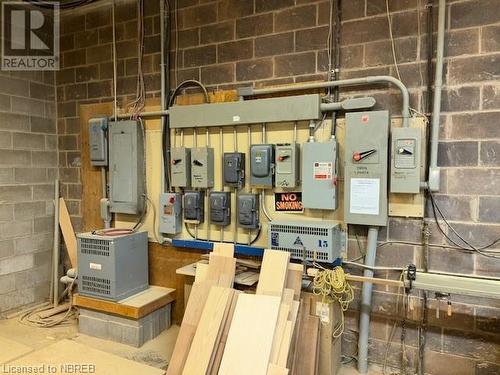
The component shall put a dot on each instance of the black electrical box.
(194, 206)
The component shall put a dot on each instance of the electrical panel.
(322, 241)
(234, 169)
(170, 213)
(248, 211)
(365, 173)
(220, 208)
(319, 174)
(180, 169)
(112, 267)
(262, 165)
(202, 167)
(287, 165)
(194, 206)
(126, 167)
(405, 160)
(97, 141)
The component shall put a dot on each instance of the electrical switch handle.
(198, 163)
(283, 157)
(404, 151)
(357, 156)
(176, 161)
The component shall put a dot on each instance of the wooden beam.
(68, 233)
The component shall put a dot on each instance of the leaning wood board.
(250, 338)
(273, 272)
(71, 352)
(134, 307)
(209, 331)
(68, 233)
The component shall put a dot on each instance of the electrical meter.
(170, 213)
(248, 211)
(202, 167)
(97, 141)
(194, 206)
(234, 169)
(405, 160)
(180, 169)
(262, 165)
(365, 176)
(220, 208)
(287, 165)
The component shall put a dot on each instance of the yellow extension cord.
(331, 285)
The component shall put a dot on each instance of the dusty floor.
(154, 353)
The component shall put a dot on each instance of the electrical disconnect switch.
(234, 169)
(406, 160)
(180, 168)
(170, 213)
(248, 211)
(97, 141)
(365, 172)
(262, 165)
(220, 208)
(194, 206)
(287, 165)
(202, 167)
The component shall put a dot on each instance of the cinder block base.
(124, 330)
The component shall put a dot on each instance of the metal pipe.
(107, 223)
(263, 205)
(366, 299)
(142, 114)
(55, 256)
(434, 171)
(295, 131)
(405, 110)
(264, 133)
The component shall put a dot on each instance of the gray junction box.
(98, 143)
(180, 168)
(319, 175)
(220, 208)
(112, 267)
(126, 167)
(248, 211)
(287, 165)
(365, 173)
(234, 169)
(170, 213)
(194, 206)
(262, 165)
(202, 167)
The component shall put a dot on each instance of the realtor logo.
(30, 35)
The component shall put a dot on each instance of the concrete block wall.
(28, 168)
(231, 43)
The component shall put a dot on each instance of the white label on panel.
(365, 194)
(95, 266)
(323, 171)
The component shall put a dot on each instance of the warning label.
(323, 171)
(298, 241)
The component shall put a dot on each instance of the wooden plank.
(279, 332)
(305, 359)
(285, 344)
(294, 278)
(224, 249)
(209, 331)
(221, 270)
(69, 351)
(276, 370)
(11, 350)
(250, 338)
(134, 307)
(273, 273)
(201, 272)
(217, 358)
(68, 233)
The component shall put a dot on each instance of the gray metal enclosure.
(112, 268)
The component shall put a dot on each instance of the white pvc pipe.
(55, 256)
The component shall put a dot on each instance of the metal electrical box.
(248, 211)
(405, 160)
(365, 173)
(220, 208)
(98, 143)
(170, 213)
(194, 206)
(126, 167)
(262, 165)
(180, 169)
(202, 167)
(234, 169)
(319, 175)
(322, 241)
(287, 165)
(112, 267)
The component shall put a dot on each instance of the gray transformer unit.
(112, 267)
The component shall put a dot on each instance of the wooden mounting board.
(134, 307)
(250, 338)
(273, 273)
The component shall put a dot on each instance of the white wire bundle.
(140, 99)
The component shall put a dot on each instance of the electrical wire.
(71, 4)
(257, 236)
(189, 82)
(140, 100)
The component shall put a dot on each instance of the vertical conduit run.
(366, 299)
(55, 256)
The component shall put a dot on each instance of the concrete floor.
(154, 353)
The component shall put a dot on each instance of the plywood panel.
(250, 338)
(221, 270)
(11, 350)
(273, 272)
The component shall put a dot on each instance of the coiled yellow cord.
(332, 285)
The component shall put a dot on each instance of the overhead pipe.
(434, 171)
(405, 110)
(366, 301)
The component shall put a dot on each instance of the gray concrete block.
(115, 332)
(133, 336)
(16, 264)
(93, 327)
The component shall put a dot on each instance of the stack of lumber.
(228, 332)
